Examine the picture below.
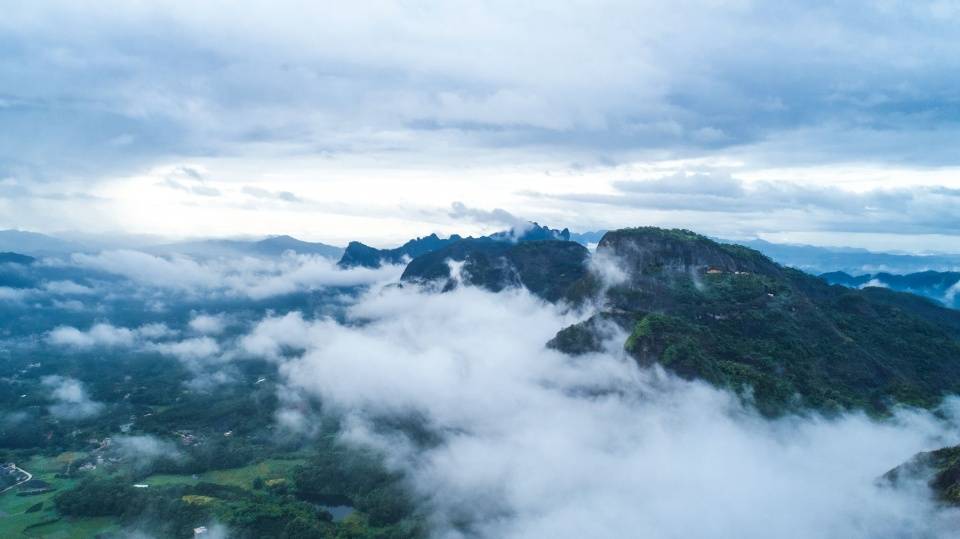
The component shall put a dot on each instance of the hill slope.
(548, 268)
(729, 315)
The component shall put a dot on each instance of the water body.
(339, 512)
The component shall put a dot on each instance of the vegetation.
(940, 468)
(288, 506)
(548, 268)
(788, 340)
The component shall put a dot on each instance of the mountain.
(548, 268)
(359, 254)
(277, 245)
(942, 286)
(729, 315)
(35, 244)
(850, 260)
(16, 258)
(534, 232)
(269, 247)
(940, 469)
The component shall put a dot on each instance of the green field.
(15, 522)
(239, 477)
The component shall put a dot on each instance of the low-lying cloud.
(534, 443)
(101, 334)
(153, 337)
(249, 277)
(70, 399)
(208, 324)
(143, 450)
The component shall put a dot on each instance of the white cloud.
(69, 305)
(187, 349)
(155, 330)
(208, 324)
(67, 288)
(952, 292)
(71, 401)
(101, 334)
(538, 444)
(255, 278)
(177, 272)
(141, 450)
(14, 294)
(874, 283)
(272, 335)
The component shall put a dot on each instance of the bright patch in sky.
(824, 123)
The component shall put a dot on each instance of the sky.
(832, 123)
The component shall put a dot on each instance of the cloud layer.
(290, 110)
(254, 278)
(536, 444)
(70, 399)
(627, 75)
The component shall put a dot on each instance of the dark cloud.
(284, 196)
(127, 84)
(903, 210)
(495, 217)
(189, 180)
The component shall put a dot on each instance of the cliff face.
(547, 268)
(359, 254)
(728, 315)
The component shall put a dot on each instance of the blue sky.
(825, 122)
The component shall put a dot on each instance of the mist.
(533, 443)
(499, 436)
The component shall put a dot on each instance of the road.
(29, 477)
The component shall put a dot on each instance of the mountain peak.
(651, 250)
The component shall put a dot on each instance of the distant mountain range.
(35, 244)
(359, 254)
(853, 261)
(270, 247)
(16, 258)
(812, 259)
(942, 286)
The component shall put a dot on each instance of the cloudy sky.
(818, 122)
